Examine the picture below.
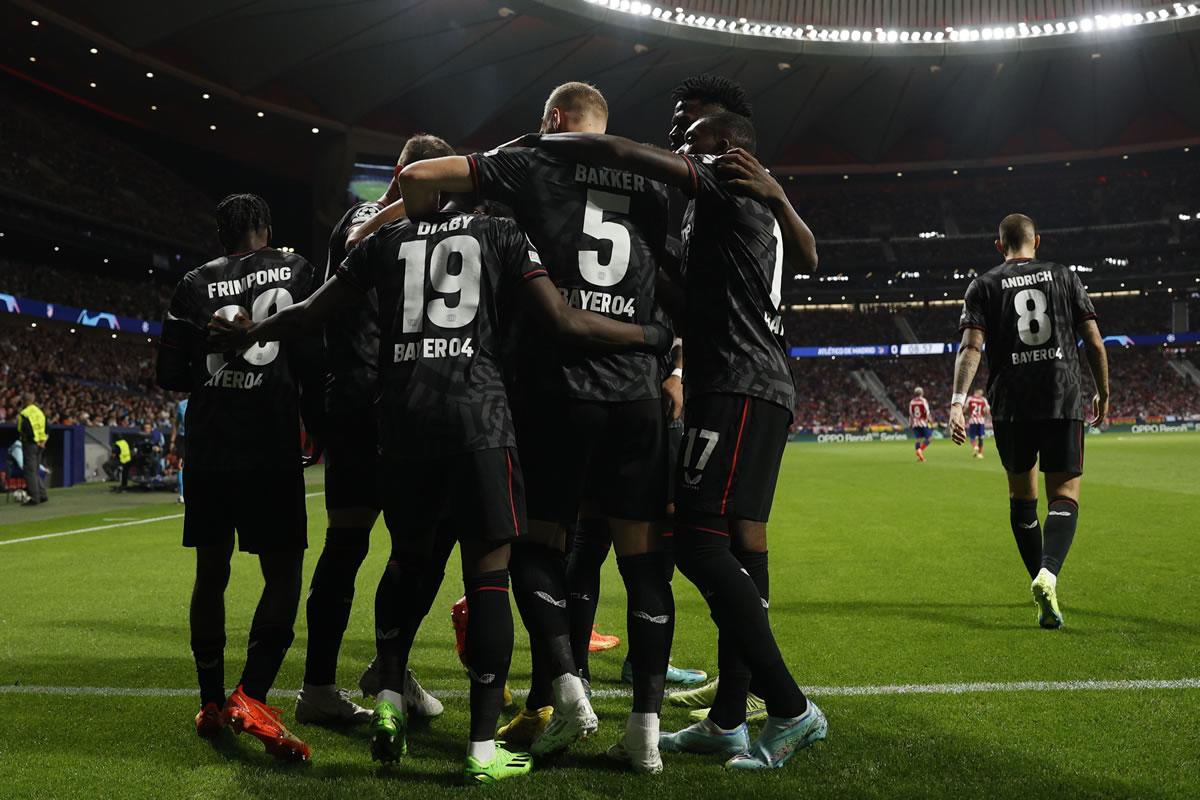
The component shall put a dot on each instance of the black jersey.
(601, 233)
(1029, 311)
(441, 283)
(244, 409)
(351, 340)
(733, 276)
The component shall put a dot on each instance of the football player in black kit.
(739, 395)
(1031, 312)
(602, 233)
(244, 469)
(445, 283)
(351, 472)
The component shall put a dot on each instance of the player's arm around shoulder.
(743, 174)
(606, 150)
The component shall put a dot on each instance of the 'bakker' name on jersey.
(1030, 311)
(441, 283)
(601, 232)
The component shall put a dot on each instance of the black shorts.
(352, 465)
(180, 447)
(265, 507)
(674, 442)
(732, 447)
(470, 496)
(607, 455)
(1055, 445)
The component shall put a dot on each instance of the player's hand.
(224, 334)
(958, 425)
(1099, 411)
(742, 174)
(672, 391)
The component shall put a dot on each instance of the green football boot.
(503, 765)
(389, 729)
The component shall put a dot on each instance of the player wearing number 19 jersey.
(244, 470)
(1030, 312)
(601, 233)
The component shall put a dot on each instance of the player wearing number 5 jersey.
(1030, 312)
(447, 283)
(743, 233)
(601, 233)
(244, 470)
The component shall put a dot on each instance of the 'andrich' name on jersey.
(1017, 281)
(236, 286)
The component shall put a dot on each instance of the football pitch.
(897, 596)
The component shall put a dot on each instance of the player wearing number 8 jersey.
(244, 470)
(1030, 312)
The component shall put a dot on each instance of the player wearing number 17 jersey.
(244, 470)
(1030, 312)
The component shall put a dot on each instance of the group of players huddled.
(494, 358)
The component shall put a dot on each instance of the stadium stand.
(145, 299)
(85, 379)
(94, 173)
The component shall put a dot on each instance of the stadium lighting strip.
(744, 27)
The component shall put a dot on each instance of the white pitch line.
(108, 527)
(991, 687)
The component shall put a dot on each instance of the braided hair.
(239, 214)
(714, 89)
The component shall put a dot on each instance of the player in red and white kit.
(920, 420)
(977, 412)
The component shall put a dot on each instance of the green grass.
(884, 571)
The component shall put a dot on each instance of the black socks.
(1023, 517)
(1061, 520)
(329, 599)
(539, 587)
(489, 649)
(650, 621)
(590, 543)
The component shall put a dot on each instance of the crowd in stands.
(62, 158)
(79, 379)
(828, 397)
(144, 299)
(806, 328)
(1145, 387)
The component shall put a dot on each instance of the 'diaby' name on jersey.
(1017, 281)
(456, 224)
(238, 285)
(432, 348)
(600, 302)
(609, 178)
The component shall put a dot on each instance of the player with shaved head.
(1031, 312)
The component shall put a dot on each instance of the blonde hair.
(577, 99)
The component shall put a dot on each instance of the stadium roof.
(477, 71)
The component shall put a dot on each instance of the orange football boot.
(245, 714)
(209, 721)
(602, 641)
